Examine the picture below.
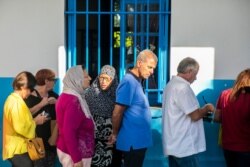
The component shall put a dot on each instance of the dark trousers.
(134, 158)
(117, 158)
(237, 159)
(48, 161)
(21, 160)
(189, 161)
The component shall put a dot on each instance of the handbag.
(35, 148)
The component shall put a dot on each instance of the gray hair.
(187, 64)
(143, 55)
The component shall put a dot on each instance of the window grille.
(112, 32)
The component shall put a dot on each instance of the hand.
(209, 107)
(111, 139)
(51, 141)
(78, 164)
(40, 119)
(52, 100)
(44, 101)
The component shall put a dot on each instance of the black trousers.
(237, 159)
(117, 158)
(134, 158)
(21, 160)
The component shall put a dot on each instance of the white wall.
(220, 24)
(31, 31)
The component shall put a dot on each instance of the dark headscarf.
(101, 102)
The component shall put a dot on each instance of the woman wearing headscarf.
(101, 100)
(75, 143)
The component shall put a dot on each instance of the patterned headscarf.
(109, 70)
(72, 84)
(101, 102)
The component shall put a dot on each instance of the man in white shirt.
(182, 124)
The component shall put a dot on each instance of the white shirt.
(181, 136)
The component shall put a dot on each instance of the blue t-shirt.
(135, 130)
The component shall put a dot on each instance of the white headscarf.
(72, 84)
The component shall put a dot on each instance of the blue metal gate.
(113, 32)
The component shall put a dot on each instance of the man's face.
(193, 75)
(146, 68)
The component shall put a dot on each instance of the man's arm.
(201, 112)
(116, 121)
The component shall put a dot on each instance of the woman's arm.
(217, 115)
(40, 105)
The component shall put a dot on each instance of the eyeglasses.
(106, 79)
(52, 79)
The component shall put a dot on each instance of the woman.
(101, 100)
(233, 111)
(18, 124)
(42, 100)
(75, 142)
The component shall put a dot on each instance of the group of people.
(29, 111)
(108, 124)
(86, 125)
(182, 124)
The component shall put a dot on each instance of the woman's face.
(50, 83)
(86, 80)
(105, 81)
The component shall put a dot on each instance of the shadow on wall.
(213, 156)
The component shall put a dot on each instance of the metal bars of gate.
(163, 35)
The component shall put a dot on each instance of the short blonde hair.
(24, 78)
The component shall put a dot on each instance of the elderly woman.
(18, 124)
(101, 100)
(75, 142)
